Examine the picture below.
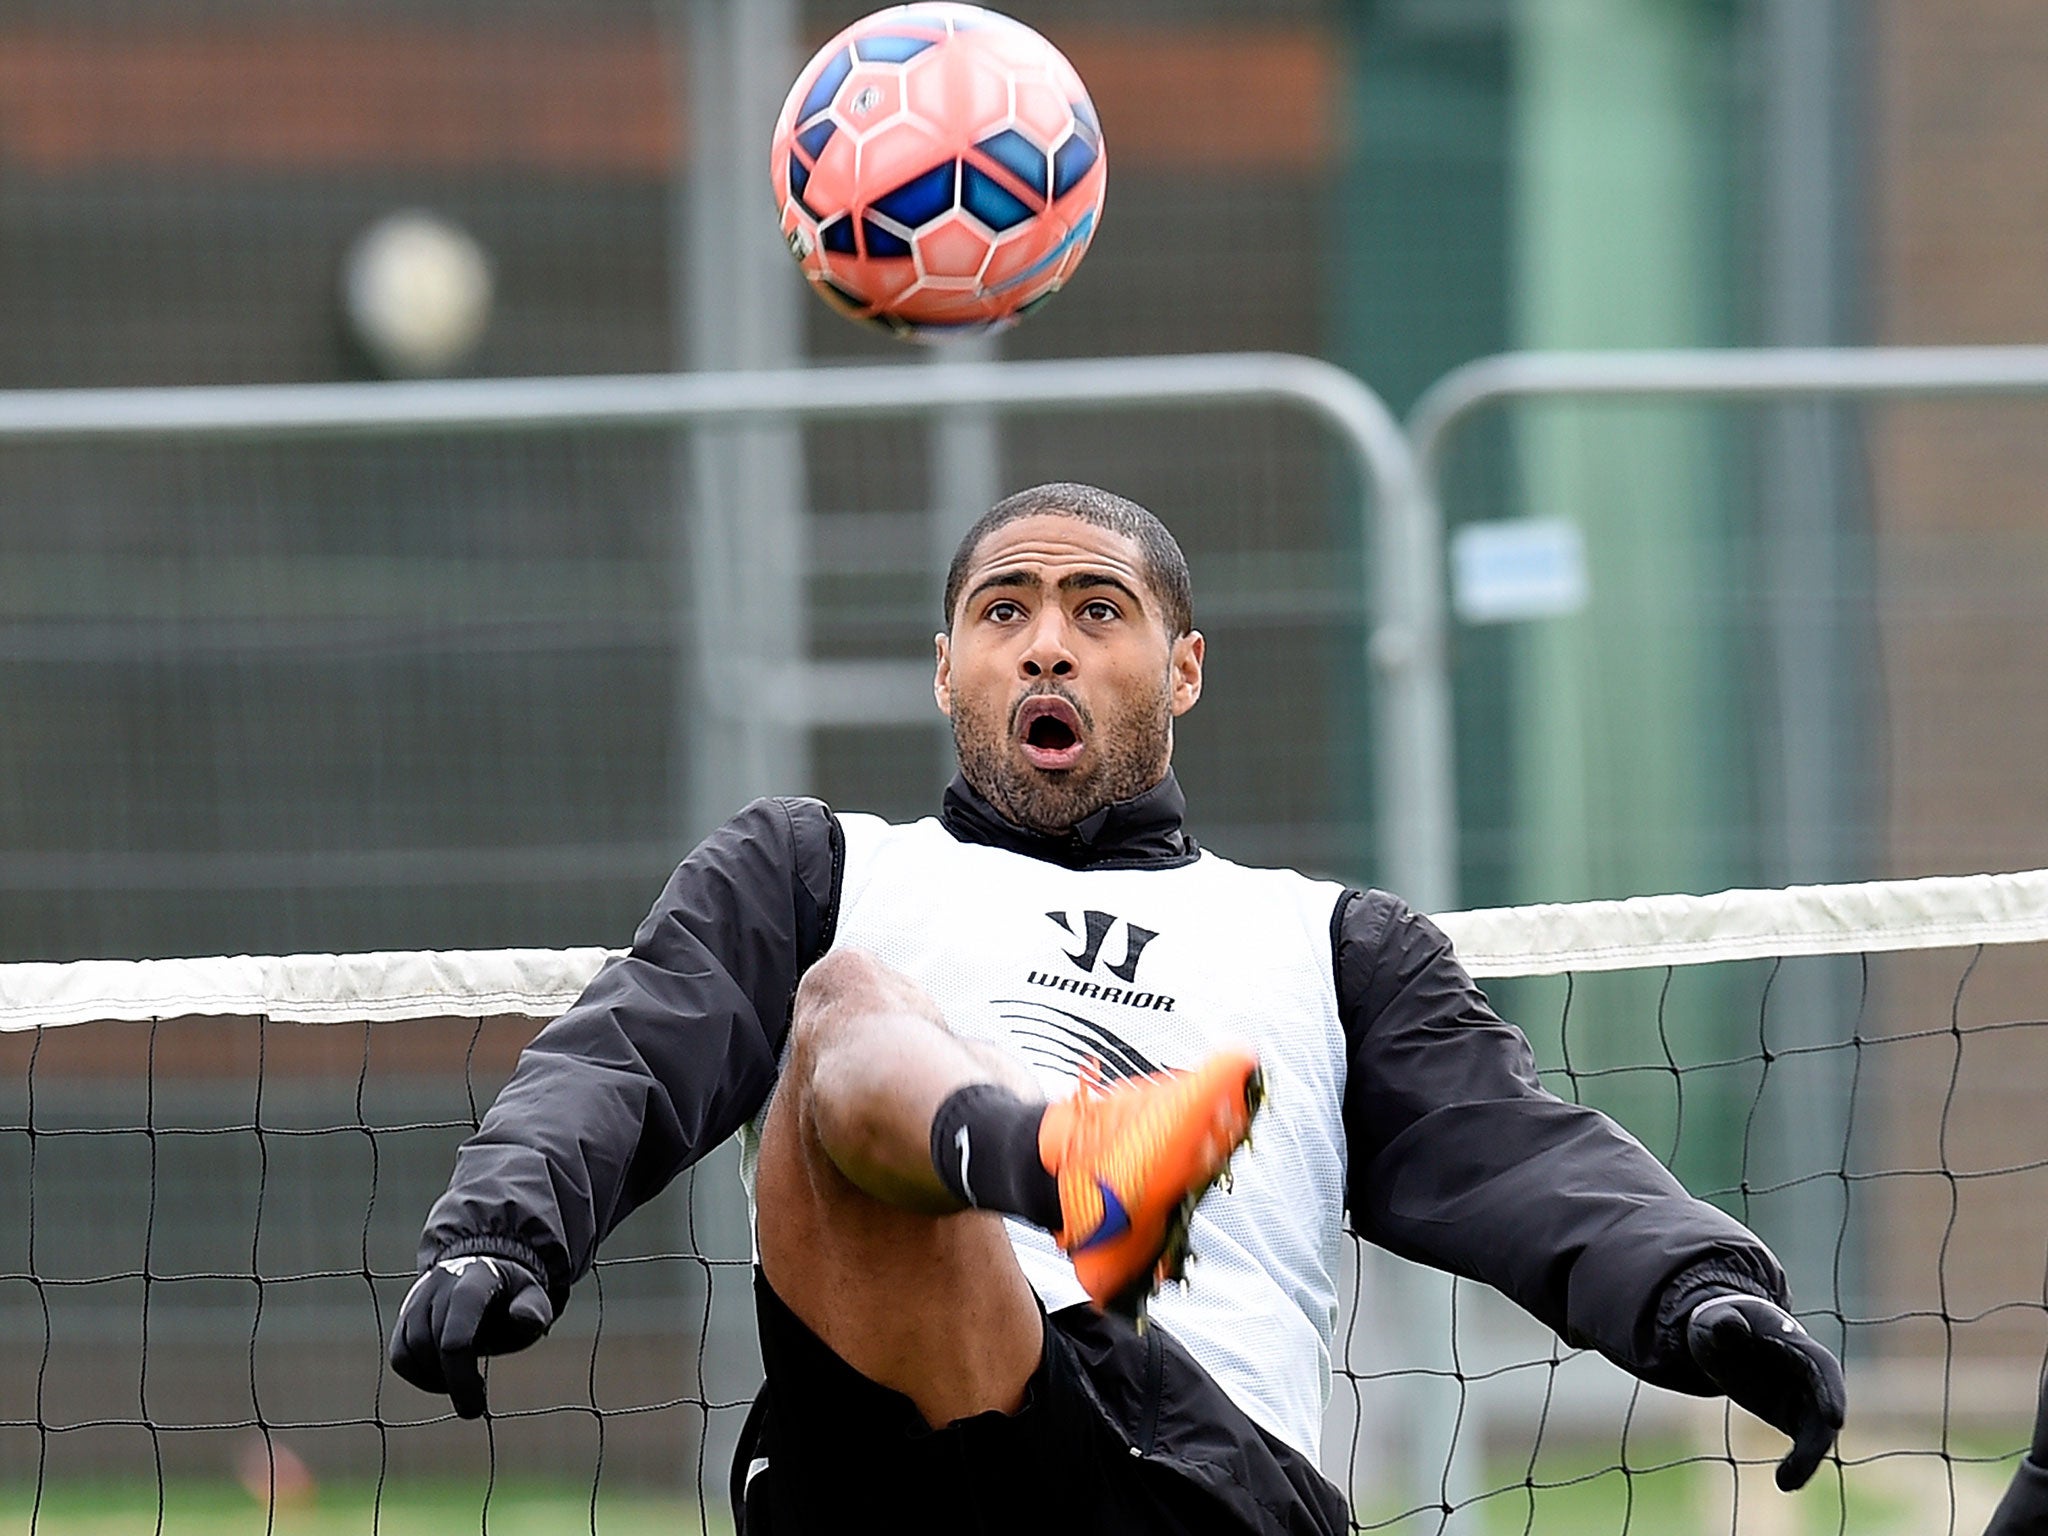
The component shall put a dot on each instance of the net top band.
(373, 987)
(1643, 932)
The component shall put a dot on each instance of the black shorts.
(1119, 1433)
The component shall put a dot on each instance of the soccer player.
(984, 1067)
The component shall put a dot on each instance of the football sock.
(985, 1150)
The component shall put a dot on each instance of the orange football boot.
(1133, 1159)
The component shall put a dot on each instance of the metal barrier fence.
(1401, 510)
(1405, 647)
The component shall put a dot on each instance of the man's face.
(1059, 675)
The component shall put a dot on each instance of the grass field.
(1876, 1494)
(1886, 1496)
(223, 1508)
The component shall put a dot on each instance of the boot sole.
(1174, 1255)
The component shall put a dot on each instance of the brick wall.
(1960, 255)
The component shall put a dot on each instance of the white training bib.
(1141, 969)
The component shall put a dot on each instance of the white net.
(212, 1174)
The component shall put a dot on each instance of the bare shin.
(857, 1233)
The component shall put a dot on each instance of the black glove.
(1757, 1353)
(461, 1308)
(2024, 1509)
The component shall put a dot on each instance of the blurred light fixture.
(416, 289)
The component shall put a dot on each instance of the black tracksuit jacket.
(1456, 1155)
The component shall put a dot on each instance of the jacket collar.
(1144, 831)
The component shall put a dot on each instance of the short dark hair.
(1166, 568)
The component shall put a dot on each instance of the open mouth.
(1049, 732)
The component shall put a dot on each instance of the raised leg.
(858, 1235)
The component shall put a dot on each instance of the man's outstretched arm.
(669, 1050)
(1459, 1158)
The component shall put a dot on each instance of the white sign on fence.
(1519, 568)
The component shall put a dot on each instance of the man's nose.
(1046, 653)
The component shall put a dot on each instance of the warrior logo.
(1096, 927)
(1095, 938)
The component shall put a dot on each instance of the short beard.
(1130, 756)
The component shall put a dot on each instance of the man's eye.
(1003, 610)
(1100, 609)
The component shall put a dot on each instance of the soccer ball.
(939, 170)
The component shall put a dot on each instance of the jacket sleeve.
(1460, 1159)
(670, 1049)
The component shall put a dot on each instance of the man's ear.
(942, 678)
(1186, 669)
